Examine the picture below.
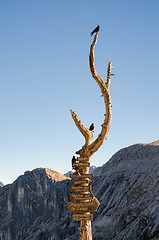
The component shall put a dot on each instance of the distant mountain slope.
(34, 207)
(68, 173)
(1, 184)
(92, 169)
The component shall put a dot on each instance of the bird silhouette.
(91, 127)
(73, 161)
(95, 30)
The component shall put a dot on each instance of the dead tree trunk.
(86, 201)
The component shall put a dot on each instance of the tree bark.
(89, 148)
(85, 226)
(85, 230)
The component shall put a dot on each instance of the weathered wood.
(88, 135)
(79, 197)
(80, 189)
(82, 217)
(88, 149)
(81, 175)
(83, 207)
(93, 147)
(83, 159)
(82, 164)
(85, 230)
(81, 182)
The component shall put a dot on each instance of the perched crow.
(91, 127)
(73, 161)
(95, 30)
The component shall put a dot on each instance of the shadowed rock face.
(128, 190)
(35, 205)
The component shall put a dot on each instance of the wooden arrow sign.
(82, 217)
(82, 164)
(79, 197)
(83, 207)
(81, 182)
(75, 175)
(83, 159)
(80, 189)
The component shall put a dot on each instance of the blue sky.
(44, 49)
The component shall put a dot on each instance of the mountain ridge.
(34, 206)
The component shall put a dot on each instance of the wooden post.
(85, 230)
(85, 225)
(84, 201)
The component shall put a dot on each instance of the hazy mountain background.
(34, 206)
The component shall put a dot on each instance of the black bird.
(73, 161)
(95, 30)
(91, 127)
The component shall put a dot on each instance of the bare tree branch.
(89, 148)
(107, 100)
(88, 135)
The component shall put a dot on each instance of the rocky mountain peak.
(56, 176)
(136, 158)
(155, 143)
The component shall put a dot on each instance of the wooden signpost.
(78, 175)
(80, 189)
(83, 207)
(83, 159)
(81, 182)
(82, 164)
(82, 217)
(81, 197)
(83, 202)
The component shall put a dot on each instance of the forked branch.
(89, 148)
(88, 135)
